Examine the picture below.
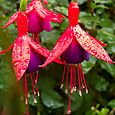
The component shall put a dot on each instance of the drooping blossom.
(27, 55)
(74, 46)
(38, 17)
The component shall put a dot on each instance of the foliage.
(98, 18)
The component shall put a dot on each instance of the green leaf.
(80, 2)
(45, 83)
(88, 20)
(88, 100)
(112, 103)
(51, 99)
(110, 68)
(110, 49)
(105, 34)
(103, 1)
(104, 111)
(77, 101)
(49, 38)
(62, 2)
(87, 66)
(105, 22)
(63, 10)
(98, 82)
(64, 25)
(52, 1)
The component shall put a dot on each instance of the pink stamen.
(63, 75)
(81, 80)
(25, 86)
(84, 82)
(74, 77)
(33, 90)
(71, 69)
(36, 80)
(69, 105)
(71, 79)
(66, 90)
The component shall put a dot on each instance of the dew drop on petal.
(24, 67)
(18, 74)
(16, 63)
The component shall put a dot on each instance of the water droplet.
(18, 74)
(16, 63)
(13, 54)
(26, 60)
(24, 67)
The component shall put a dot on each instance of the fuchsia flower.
(27, 55)
(73, 47)
(38, 17)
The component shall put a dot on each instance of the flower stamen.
(81, 80)
(63, 74)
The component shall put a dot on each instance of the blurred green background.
(97, 17)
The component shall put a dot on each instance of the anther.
(80, 93)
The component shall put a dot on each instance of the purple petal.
(35, 60)
(46, 25)
(75, 54)
(34, 22)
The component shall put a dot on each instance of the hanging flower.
(38, 17)
(73, 47)
(27, 55)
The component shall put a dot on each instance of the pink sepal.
(90, 44)
(21, 56)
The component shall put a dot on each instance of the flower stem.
(23, 5)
